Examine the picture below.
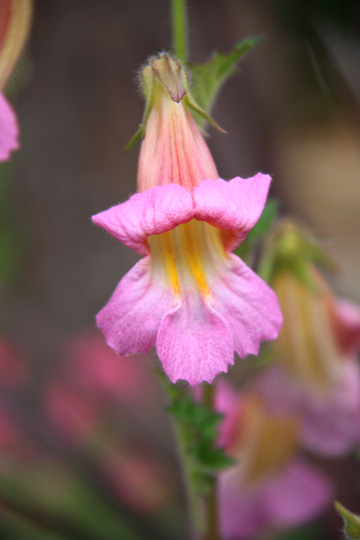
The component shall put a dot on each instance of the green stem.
(179, 29)
(195, 509)
(211, 502)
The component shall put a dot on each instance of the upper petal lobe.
(233, 206)
(154, 211)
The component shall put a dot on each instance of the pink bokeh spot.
(190, 297)
(9, 130)
(97, 370)
(70, 412)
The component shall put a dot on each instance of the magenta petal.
(9, 130)
(234, 206)
(194, 342)
(348, 326)
(154, 211)
(292, 497)
(329, 421)
(298, 495)
(249, 306)
(131, 318)
(241, 512)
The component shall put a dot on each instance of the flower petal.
(240, 509)
(347, 326)
(233, 206)
(131, 318)
(194, 342)
(9, 130)
(298, 495)
(249, 306)
(329, 420)
(154, 211)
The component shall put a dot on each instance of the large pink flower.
(8, 130)
(190, 296)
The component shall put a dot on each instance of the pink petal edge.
(157, 210)
(9, 130)
(194, 343)
(233, 205)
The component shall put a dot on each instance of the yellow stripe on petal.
(15, 18)
(163, 261)
(186, 257)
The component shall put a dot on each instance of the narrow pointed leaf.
(209, 77)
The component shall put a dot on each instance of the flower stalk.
(179, 29)
(211, 502)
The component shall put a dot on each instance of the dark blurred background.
(291, 110)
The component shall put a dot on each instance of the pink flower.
(70, 411)
(95, 368)
(139, 479)
(13, 368)
(270, 487)
(329, 423)
(9, 130)
(189, 296)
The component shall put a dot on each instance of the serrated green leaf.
(208, 77)
(211, 458)
(199, 428)
(351, 522)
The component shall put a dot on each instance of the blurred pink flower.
(95, 368)
(9, 130)
(10, 435)
(270, 487)
(70, 411)
(319, 377)
(330, 422)
(139, 479)
(13, 368)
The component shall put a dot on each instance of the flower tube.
(189, 296)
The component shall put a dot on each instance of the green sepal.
(208, 77)
(204, 115)
(134, 139)
(351, 522)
